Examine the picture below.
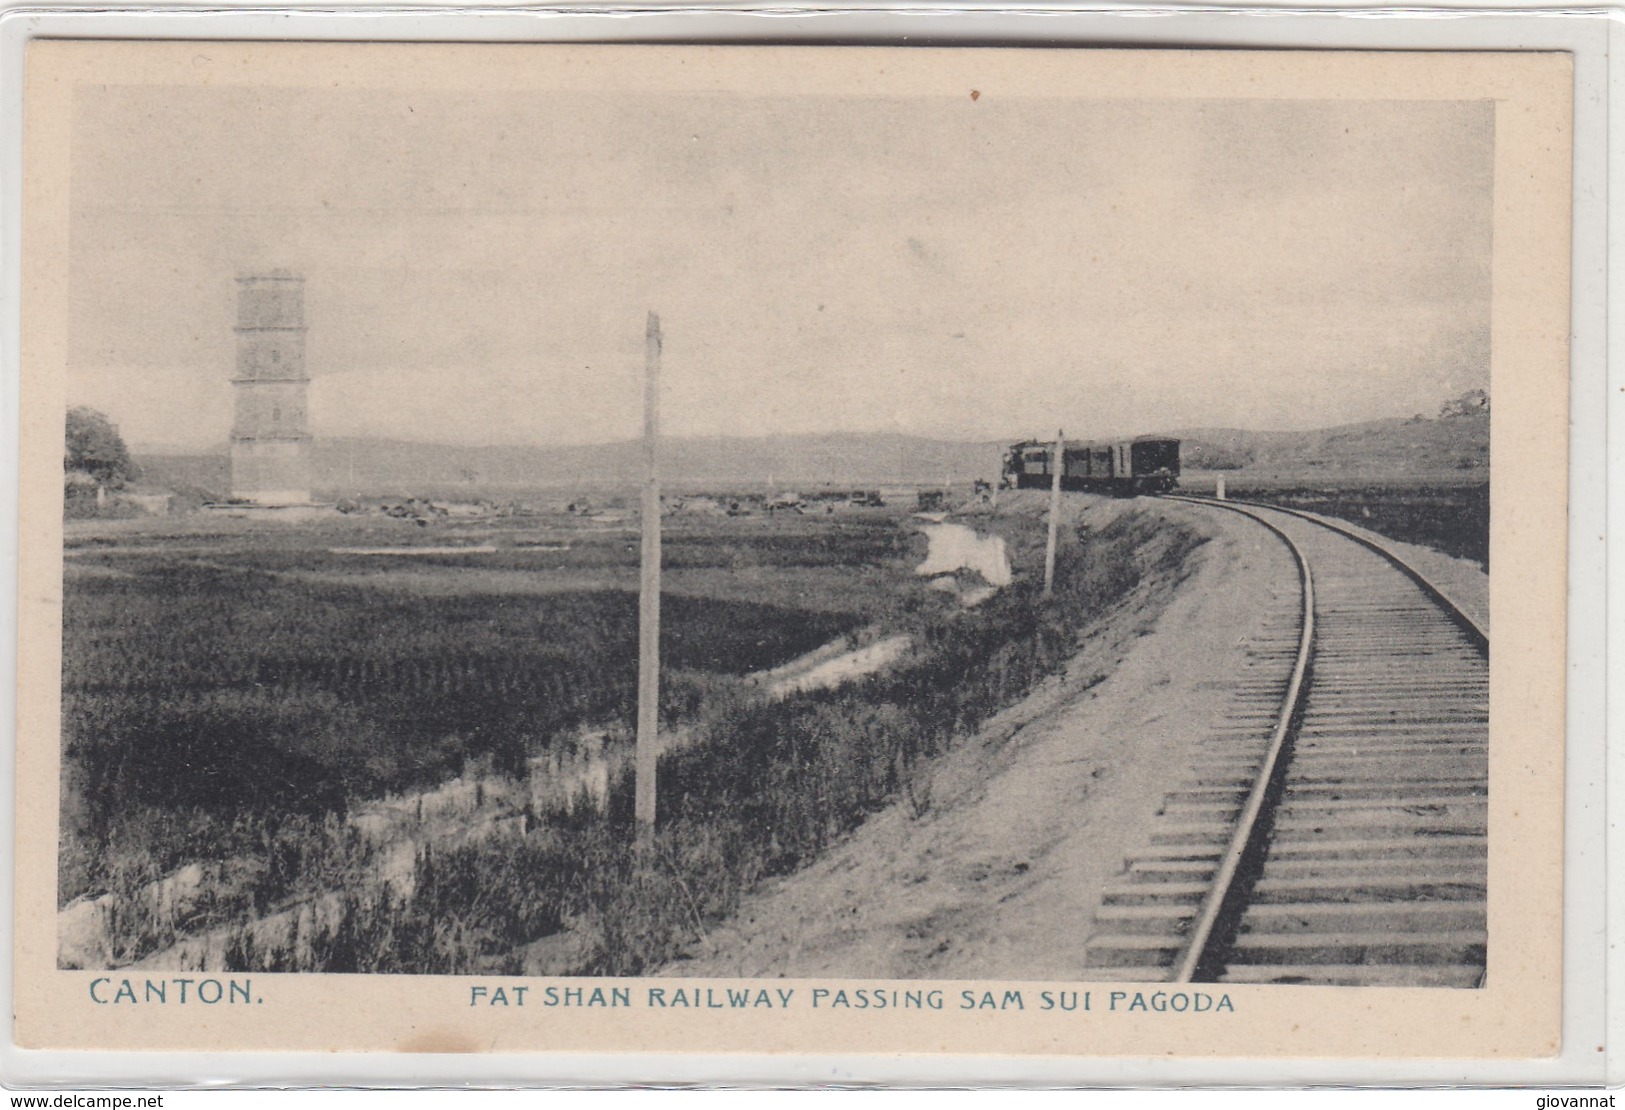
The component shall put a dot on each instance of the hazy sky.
(479, 265)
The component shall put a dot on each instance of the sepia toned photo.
(901, 547)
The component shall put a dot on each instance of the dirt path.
(993, 868)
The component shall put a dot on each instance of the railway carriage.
(1148, 464)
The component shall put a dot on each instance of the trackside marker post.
(1057, 464)
(649, 592)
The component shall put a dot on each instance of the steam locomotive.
(1149, 464)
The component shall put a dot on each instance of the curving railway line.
(1331, 827)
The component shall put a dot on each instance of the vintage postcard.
(778, 549)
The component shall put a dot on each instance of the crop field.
(210, 677)
(232, 694)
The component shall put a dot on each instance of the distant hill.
(1452, 447)
(375, 467)
(1456, 447)
(206, 474)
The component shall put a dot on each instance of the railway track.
(1331, 828)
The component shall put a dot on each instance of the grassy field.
(764, 787)
(217, 683)
(232, 693)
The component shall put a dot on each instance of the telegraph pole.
(1057, 464)
(648, 755)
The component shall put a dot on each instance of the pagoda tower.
(270, 440)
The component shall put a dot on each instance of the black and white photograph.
(880, 532)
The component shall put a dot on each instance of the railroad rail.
(1332, 826)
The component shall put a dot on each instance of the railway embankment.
(993, 865)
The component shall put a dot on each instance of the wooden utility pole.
(1057, 464)
(649, 595)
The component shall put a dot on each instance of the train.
(1148, 464)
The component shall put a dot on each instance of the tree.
(95, 448)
